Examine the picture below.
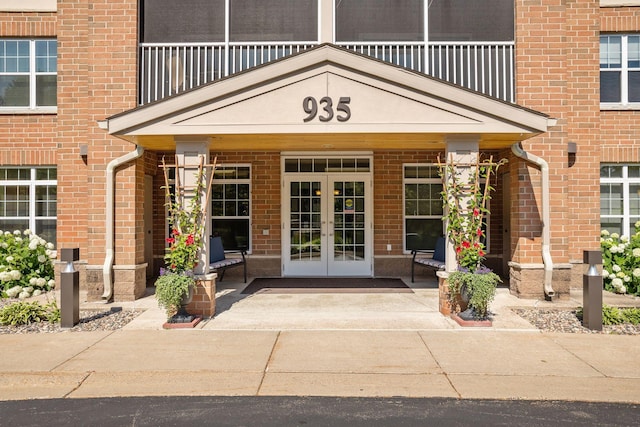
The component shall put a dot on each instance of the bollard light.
(592, 292)
(69, 289)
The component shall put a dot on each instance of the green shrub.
(26, 267)
(23, 313)
(631, 315)
(611, 315)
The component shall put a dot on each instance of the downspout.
(107, 268)
(546, 216)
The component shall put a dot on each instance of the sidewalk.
(325, 345)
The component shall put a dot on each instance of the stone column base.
(129, 282)
(527, 280)
(204, 297)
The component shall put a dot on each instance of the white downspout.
(107, 268)
(546, 216)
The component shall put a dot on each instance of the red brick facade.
(557, 69)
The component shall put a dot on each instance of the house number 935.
(310, 106)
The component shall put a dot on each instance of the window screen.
(273, 20)
(182, 21)
(471, 20)
(379, 20)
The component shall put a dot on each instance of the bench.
(220, 263)
(436, 262)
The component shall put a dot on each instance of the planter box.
(203, 303)
(444, 304)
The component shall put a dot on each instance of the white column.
(325, 21)
(459, 150)
(189, 151)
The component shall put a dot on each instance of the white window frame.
(625, 181)
(31, 183)
(33, 74)
(249, 217)
(406, 181)
(624, 70)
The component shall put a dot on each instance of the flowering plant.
(465, 199)
(621, 261)
(26, 266)
(186, 221)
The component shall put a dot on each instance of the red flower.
(481, 252)
(190, 240)
(476, 245)
(176, 232)
(479, 232)
(170, 240)
(476, 211)
(466, 245)
(173, 266)
(458, 249)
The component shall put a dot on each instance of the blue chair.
(218, 260)
(436, 262)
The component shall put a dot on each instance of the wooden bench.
(220, 263)
(436, 262)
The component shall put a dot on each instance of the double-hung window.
(28, 73)
(422, 206)
(620, 71)
(619, 198)
(231, 207)
(28, 200)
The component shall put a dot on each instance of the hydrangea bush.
(26, 266)
(621, 261)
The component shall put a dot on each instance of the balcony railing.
(167, 69)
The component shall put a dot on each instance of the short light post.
(69, 289)
(592, 292)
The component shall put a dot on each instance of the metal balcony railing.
(167, 69)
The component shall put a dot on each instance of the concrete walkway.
(325, 344)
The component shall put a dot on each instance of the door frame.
(328, 177)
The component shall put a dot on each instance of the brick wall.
(557, 68)
(620, 140)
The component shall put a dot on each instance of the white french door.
(327, 225)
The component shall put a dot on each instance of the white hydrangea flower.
(37, 292)
(15, 274)
(18, 239)
(33, 245)
(616, 268)
(50, 246)
(13, 292)
(636, 252)
(636, 272)
(623, 289)
(615, 235)
(27, 232)
(606, 232)
(23, 295)
(41, 258)
(10, 258)
(616, 283)
(4, 276)
(627, 279)
(624, 238)
(32, 281)
(605, 274)
(17, 233)
(52, 283)
(621, 274)
(7, 233)
(41, 282)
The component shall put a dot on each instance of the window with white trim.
(619, 198)
(620, 70)
(422, 206)
(231, 206)
(28, 74)
(28, 200)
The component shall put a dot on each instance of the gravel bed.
(566, 321)
(109, 319)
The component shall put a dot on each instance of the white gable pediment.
(328, 91)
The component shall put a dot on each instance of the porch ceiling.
(328, 98)
(325, 142)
